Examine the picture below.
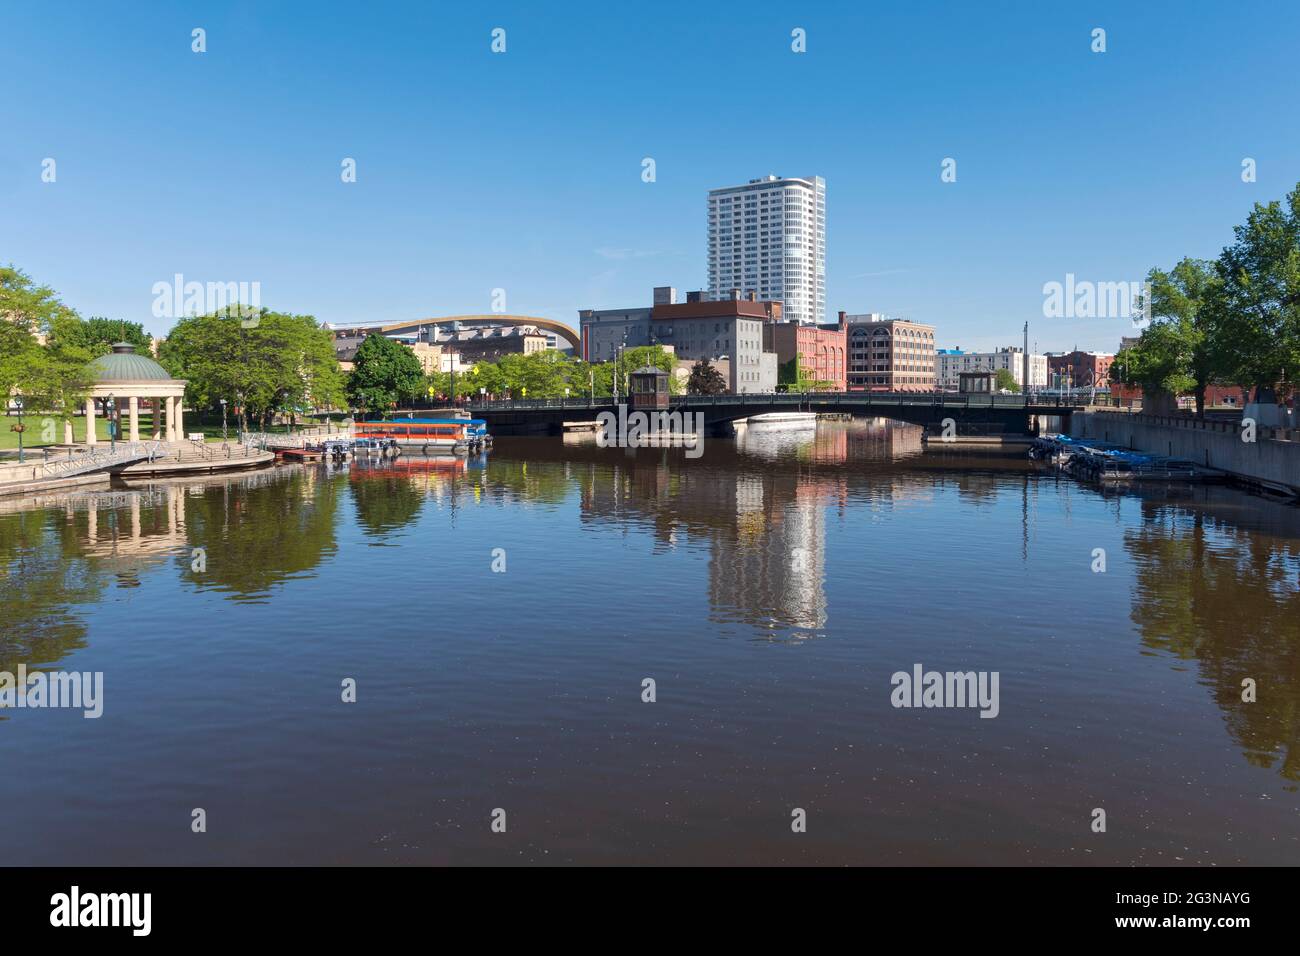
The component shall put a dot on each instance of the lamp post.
(111, 405)
(223, 419)
(19, 402)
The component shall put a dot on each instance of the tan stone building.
(890, 355)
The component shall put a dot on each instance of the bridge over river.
(971, 413)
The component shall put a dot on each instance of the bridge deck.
(848, 400)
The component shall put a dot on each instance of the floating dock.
(1106, 462)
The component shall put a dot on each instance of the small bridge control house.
(649, 389)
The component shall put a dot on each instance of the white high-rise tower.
(769, 237)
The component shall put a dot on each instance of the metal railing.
(1229, 426)
(93, 459)
(850, 399)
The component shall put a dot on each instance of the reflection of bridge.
(1012, 413)
(413, 327)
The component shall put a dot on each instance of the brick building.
(889, 355)
(1079, 369)
(822, 349)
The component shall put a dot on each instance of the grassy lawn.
(36, 430)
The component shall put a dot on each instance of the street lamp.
(223, 419)
(19, 427)
(111, 404)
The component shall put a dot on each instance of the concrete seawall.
(1267, 461)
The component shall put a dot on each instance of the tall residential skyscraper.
(769, 237)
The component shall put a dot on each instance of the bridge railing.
(94, 459)
(855, 399)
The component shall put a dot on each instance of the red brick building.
(822, 350)
(1079, 369)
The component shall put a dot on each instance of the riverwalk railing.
(93, 459)
(1036, 403)
(273, 440)
(1262, 432)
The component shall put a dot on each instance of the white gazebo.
(124, 376)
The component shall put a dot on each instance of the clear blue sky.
(523, 170)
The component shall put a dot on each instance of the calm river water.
(769, 588)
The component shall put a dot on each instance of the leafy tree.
(705, 379)
(54, 378)
(385, 372)
(97, 334)
(25, 310)
(59, 379)
(19, 350)
(1186, 304)
(1004, 379)
(1157, 363)
(28, 305)
(265, 363)
(487, 376)
(1258, 314)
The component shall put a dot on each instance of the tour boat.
(429, 436)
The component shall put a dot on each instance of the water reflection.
(1215, 572)
(1218, 585)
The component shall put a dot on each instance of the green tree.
(265, 363)
(97, 334)
(54, 378)
(25, 310)
(1258, 314)
(1186, 305)
(1158, 364)
(385, 372)
(1004, 379)
(59, 379)
(641, 356)
(705, 379)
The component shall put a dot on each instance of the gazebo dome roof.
(124, 365)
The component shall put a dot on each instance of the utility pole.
(1024, 364)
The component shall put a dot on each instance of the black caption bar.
(329, 905)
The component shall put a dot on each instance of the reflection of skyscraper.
(766, 529)
(772, 569)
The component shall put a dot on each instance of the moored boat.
(428, 436)
(773, 421)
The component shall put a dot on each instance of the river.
(500, 619)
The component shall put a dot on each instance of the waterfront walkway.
(76, 465)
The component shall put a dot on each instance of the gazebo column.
(68, 438)
(134, 404)
(90, 421)
(155, 406)
(171, 418)
(180, 417)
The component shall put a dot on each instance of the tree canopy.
(705, 379)
(279, 363)
(1231, 321)
(50, 378)
(384, 372)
